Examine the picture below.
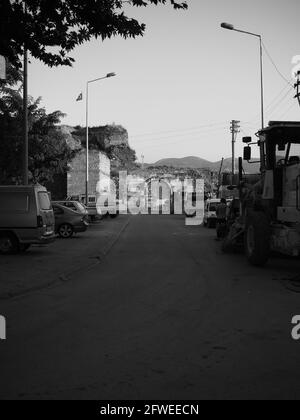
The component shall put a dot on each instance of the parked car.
(73, 205)
(210, 212)
(26, 218)
(68, 222)
(91, 208)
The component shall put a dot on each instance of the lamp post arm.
(247, 33)
(96, 80)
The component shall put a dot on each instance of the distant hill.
(194, 162)
(187, 162)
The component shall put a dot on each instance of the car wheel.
(9, 244)
(24, 247)
(65, 231)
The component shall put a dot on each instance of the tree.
(49, 152)
(112, 140)
(65, 24)
(122, 157)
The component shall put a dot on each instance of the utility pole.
(297, 87)
(231, 27)
(220, 177)
(25, 107)
(25, 118)
(234, 128)
(143, 161)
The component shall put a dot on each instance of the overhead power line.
(275, 65)
(184, 137)
(154, 133)
(276, 101)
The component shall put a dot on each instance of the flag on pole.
(80, 97)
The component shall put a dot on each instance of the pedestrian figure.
(221, 218)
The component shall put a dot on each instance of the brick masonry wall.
(99, 170)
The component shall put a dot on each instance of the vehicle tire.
(227, 246)
(113, 216)
(9, 244)
(24, 247)
(66, 231)
(257, 238)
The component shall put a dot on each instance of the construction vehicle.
(266, 216)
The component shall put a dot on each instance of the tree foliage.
(122, 157)
(112, 140)
(65, 24)
(49, 152)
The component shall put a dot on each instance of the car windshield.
(291, 150)
(44, 200)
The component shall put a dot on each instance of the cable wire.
(275, 66)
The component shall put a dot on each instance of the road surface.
(165, 315)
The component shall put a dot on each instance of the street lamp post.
(87, 132)
(25, 105)
(232, 28)
(25, 118)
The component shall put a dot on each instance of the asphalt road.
(165, 315)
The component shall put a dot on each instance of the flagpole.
(87, 147)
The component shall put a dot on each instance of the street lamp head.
(111, 75)
(227, 26)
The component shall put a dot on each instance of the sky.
(178, 87)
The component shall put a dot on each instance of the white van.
(26, 217)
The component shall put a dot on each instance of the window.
(44, 200)
(57, 211)
(291, 153)
(14, 202)
(70, 206)
(295, 150)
